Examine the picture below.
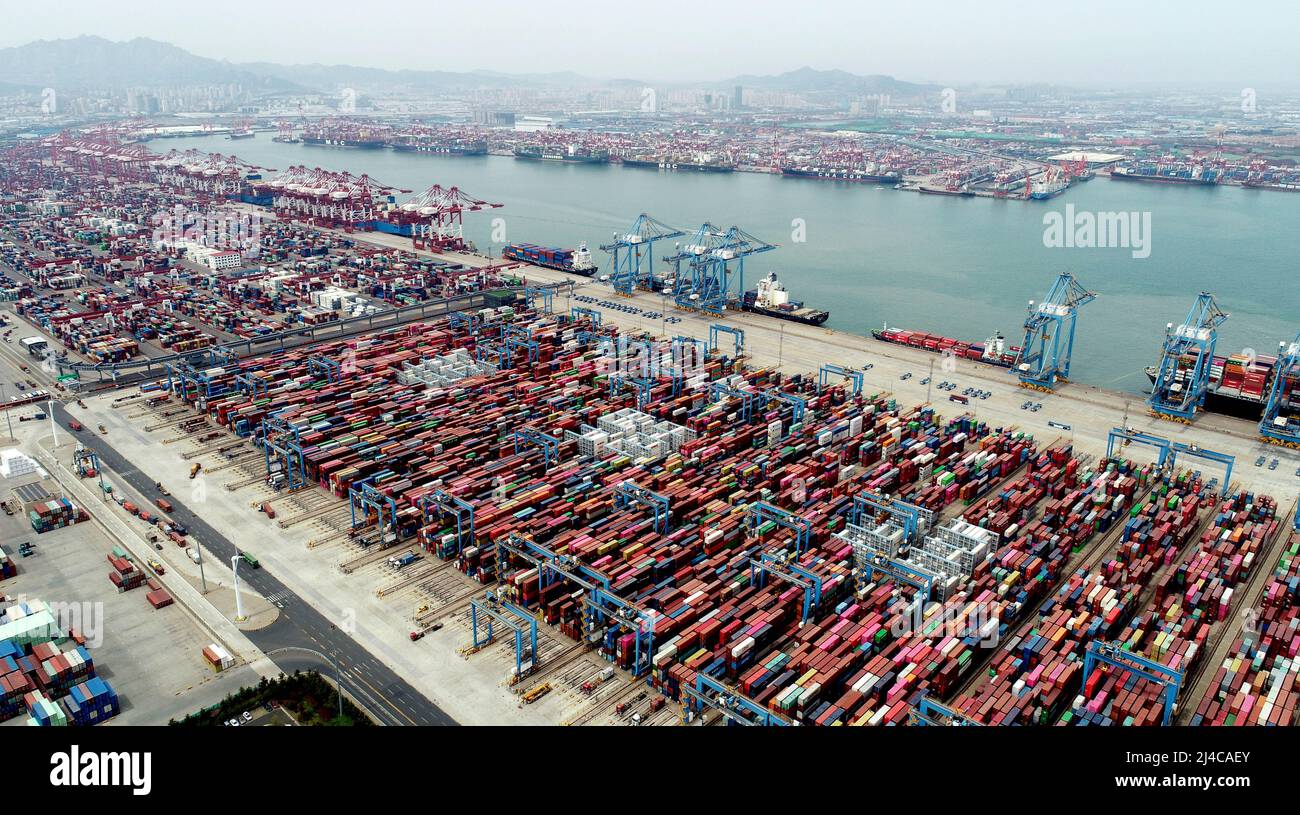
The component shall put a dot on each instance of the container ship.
(1041, 189)
(844, 174)
(993, 351)
(771, 298)
(961, 192)
(241, 134)
(701, 164)
(418, 143)
(571, 154)
(575, 261)
(1157, 174)
(322, 139)
(1237, 388)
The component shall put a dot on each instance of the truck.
(402, 561)
(250, 560)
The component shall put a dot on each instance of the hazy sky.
(1239, 44)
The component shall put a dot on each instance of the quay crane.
(1183, 373)
(1049, 334)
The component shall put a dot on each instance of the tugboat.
(771, 298)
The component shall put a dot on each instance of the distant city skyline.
(1114, 44)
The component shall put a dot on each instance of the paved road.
(384, 694)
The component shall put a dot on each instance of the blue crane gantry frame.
(1180, 449)
(529, 436)
(793, 573)
(545, 292)
(493, 608)
(680, 362)
(628, 493)
(760, 512)
(907, 515)
(717, 389)
(831, 369)
(326, 368)
(460, 319)
(600, 603)
(84, 455)
(445, 503)
(1279, 424)
(797, 403)
(1049, 334)
(368, 497)
(1127, 436)
(734, 706)
(1176, 397)
(1170, 451)
(737, 334)
(579, 312)
(927, 712)
(1170, 679)
(281, 439)
(184, 373)
(710, 256)
(1296, 522)
(251, 385)
(631, 248)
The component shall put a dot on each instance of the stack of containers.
(218, 658)
(125, 574)
(1035, 675)
(54, 514)
(1258, 682)
(1189, 601)
(7, 567)
(41, 712)
(91, 702)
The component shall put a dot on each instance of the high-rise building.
(738, 98)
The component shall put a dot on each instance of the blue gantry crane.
(831, 369)
(718, 389)
(602, 606)
(494, 610)
(791, 572)
(1183, 373)
(929, 713)
(759, 513)
(632, 253)
(1281, 422)
(1049, 334)
(627, 493)
(325, 368)
(737, 336)
(364, 495)
(532, 437)
(282, 444)
(1127, 435)
(714, 272)
(734, 706)
(1169, 679)
(444, 503)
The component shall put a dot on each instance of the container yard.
(675, 500)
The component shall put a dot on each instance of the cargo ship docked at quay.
(993, 351)
(699, 165)
(1238, 387)
(413, 143)
(574, 261)
(1153, 174)
(364, 143)
(568, 155)
(770, 298)
(862, 176)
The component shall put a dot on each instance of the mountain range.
(94, 62)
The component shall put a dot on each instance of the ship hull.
(441, 151)
(817, 318)
(1241, 407)
(354, 143)
(1164, 179)
(856, 178)
(1006, 361)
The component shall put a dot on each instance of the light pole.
(239, 601)
(780, 348)
(929, 381)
